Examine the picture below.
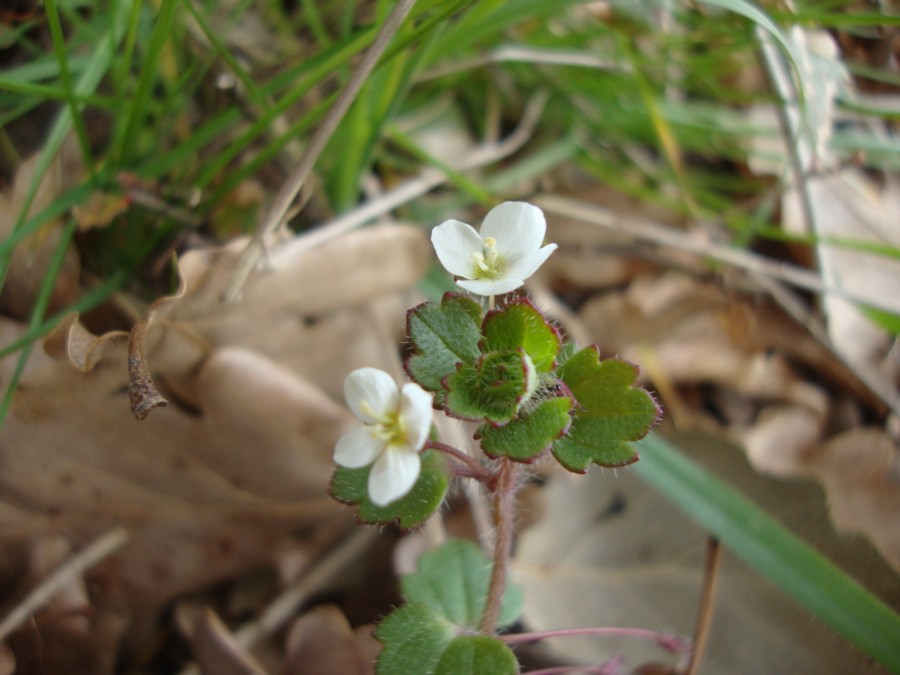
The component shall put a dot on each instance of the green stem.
(504, 516)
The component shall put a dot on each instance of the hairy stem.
(668, 641)
(505, 502)
(474, 468)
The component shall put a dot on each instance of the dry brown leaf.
(780, 436)
(860, 472)
(321, 642)
(32, 258)
(7, 660)
(613, 552)
(217, 652)
(99, 210)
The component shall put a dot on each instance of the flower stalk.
(505, 503)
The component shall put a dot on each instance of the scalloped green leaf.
(350, 487)
(490, 389)
(521, 325)
(442, 336)
(477, 655)
(530, 434)
(609, 412)
(453, 581)
(414, 640)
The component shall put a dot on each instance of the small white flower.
(396, 424)
(498, 260)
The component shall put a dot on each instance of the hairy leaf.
(442, 336)
(609, 412)
(350, 487)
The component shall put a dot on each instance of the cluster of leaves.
(507, 369)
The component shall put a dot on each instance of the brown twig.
(707, 602)
(285, 197)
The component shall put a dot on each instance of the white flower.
(498, 260)
(396, 424)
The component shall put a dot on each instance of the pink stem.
(667, 641)
(475, 468)
(504, 516)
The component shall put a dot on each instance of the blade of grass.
(797, 568)
(314, 22)
(37, 314)
(126, 140)
(219, 47)
(65, 78)
(465, 184)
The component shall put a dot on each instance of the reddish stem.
(667, 641)
(504, 517)
(475, 469)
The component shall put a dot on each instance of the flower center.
(488, 263)
(388, 427)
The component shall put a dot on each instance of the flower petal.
(358, 447)
(393, 475)
(416, 414)
(527, 265)
(455, 242)
(375, 388)
(518, 227)
(491, 287)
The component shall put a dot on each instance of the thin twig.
(707, 602)
(413, 188)
(72, 568)
(285, 197)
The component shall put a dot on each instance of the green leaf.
(609, 412)
(442, 336)
(477, 655)
(414, 639)
(453, 581)
(775, 551)
(530, 434)
(350, 486)
(521, 325)
(492, 388)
